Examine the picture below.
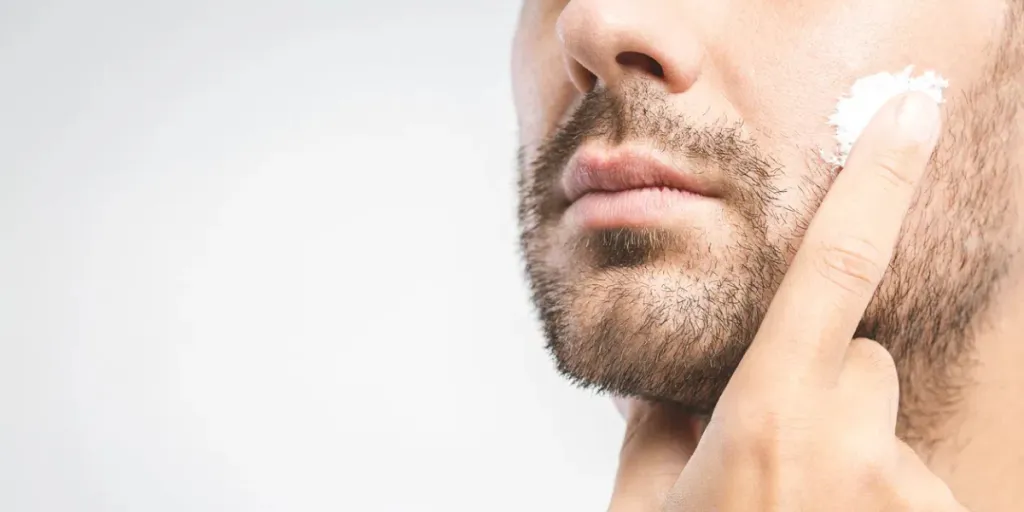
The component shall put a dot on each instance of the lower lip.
(642, 207)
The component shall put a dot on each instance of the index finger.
(849, 243)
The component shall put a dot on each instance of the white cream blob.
(855, 110)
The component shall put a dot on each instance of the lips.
(630, 169)
(632, 188)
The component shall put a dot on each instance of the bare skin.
(796, 340)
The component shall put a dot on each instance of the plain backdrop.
(261, 256)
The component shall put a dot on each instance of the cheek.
(787, 76)
(785, 79)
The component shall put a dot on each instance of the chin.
(636, 318)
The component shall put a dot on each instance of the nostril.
(641, 62)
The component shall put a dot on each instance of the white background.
(261, 256)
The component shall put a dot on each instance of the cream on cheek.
(888, 47)
(855, 110)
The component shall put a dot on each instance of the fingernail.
(918, 116)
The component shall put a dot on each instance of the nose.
(607, 41)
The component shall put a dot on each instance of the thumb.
(659, 441)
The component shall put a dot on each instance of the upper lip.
(627, 169)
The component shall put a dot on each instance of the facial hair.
(661, 314)
(606, 325)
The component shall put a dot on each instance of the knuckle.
(894, 166)
(754, 426)
(761, 443)
(852, 263)
(872, 355)
(767, 435)
(865, 456)
(870, 368)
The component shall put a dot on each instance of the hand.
(808, 420)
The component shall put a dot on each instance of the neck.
(981, 452)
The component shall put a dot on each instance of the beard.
(667, 314)
(654, 313)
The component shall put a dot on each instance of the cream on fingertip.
(867, 95)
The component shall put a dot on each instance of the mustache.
(643, 113)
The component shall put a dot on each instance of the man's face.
(671, 159)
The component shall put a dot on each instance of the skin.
(731, 328)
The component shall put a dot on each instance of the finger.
(917, 487)
(870, 387)
(848, 244)
(658, 443)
